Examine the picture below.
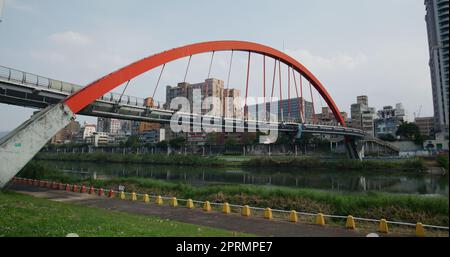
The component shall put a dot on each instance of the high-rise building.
(108, 125)
(210, 88)
(437, 19)
(288, 110)
(426, 125)
(229, 109)
(362, 115)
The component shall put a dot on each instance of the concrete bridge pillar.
(23, 143)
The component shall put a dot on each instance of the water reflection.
(347, 181)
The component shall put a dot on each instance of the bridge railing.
(33, 80)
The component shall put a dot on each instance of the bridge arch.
(82, 98)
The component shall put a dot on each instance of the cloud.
(339, 61)
(71, 38)
(21, 6)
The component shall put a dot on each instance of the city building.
(98, 139)
(388, 119)
(108, 125)
(210, 88)
(288, 110)
(362, 115)
(67, 134)
(152, 136)
(229, 109)
(426, 125)
(86, 131)
(437, 19)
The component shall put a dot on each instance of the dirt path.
(232, 222)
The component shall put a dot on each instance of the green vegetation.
(190, 160)
(275, 161)
(443, 161)
(426, 209)
(28, 216)
(313, 163)
(410, 131)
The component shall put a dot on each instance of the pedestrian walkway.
(232, 222)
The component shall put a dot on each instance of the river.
(330, 180)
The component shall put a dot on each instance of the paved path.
(232, 222)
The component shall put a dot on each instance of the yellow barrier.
(293, 217)
(207, 206)
(226, 208)
(122, 195)
(420, 230)
(173, 202)
(383, 228)
(133, 196)
(190, 204)
(159, 200)
(246, 211)
(350, 224)
(146, 198)
(268, 213)
(320, 219)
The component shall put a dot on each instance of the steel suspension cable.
(289, 92)
(229, 69)
(281, 91)
(312, 100)
(273, 83)
(302, 106)
(157, 83)
(298, 98)
(210, 64)
(264, 87)
(123, 92)
(246, 86)
(187, 68)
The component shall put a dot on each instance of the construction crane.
(418, 113)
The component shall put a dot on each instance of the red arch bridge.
(60, 101)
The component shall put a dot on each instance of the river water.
(330, 180)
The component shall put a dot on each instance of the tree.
(178, 142)
(387, 137)
(230, 142)
(410, 131)
(132, 141)
(162, 144)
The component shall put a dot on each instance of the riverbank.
(415, 165)
(41, 217)
(411, 208)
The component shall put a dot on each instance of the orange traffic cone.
(67, 187)
(101, 192)
(83, 189)
(91, 190)
(75, 188)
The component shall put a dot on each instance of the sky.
(354, 47)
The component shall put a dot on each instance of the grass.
(415, 164)
(246, 161)
(409, 208)
(29, 216)
(188, 160)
